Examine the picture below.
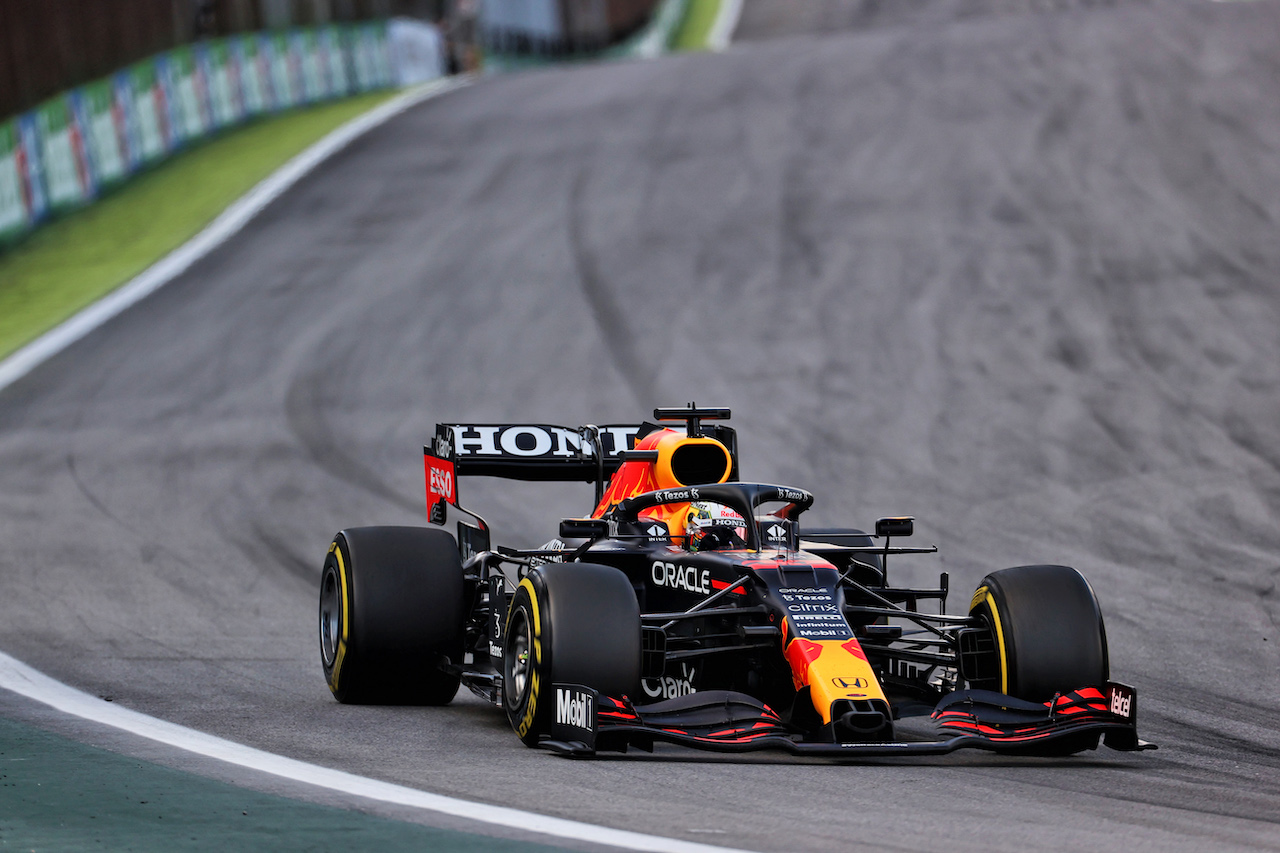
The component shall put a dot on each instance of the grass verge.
(72, 262)
(695, 28)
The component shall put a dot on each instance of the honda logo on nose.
(849, 683)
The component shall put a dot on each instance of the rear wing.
(537, 452)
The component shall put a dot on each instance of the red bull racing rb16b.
(693, 608)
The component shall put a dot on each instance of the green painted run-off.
(56, 794)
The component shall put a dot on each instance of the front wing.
(722, 721)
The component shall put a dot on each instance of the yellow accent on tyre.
(336, 672)
(531, 708)
(983, 596)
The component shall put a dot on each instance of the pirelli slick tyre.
(573, 623)
(391, 612)
(1048, 630)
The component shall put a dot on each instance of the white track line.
(725, 23)
(231, 220)
(22, 679)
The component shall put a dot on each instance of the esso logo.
(442, 482)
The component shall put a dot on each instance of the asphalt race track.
(1007, 267)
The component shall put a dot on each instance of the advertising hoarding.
(61, 154)
(67, 180)
(14, 217)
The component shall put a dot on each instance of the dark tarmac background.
(1009, 267)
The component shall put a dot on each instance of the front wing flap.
(722, 721)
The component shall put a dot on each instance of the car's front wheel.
(571, 623)
(1047, 631)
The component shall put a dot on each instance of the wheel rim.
(518, 664)
(330, 616)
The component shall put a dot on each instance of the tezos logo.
(688, 578)
(574, 709)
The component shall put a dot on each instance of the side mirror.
(893, 527)
(584, 528)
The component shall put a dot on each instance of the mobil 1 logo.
(575, 715)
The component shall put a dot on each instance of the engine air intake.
(697, 461)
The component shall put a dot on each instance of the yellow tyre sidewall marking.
(983, 596)
(531, 709)
(336, 672)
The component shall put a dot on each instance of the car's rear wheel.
(391, 614)
(1047, 631)
(572, 623)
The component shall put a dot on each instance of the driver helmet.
(707, 516)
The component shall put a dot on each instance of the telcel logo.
(1121, 703)
(845, 683)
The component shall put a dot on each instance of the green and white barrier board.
(60, 155)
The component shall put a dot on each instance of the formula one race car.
(696, 609)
